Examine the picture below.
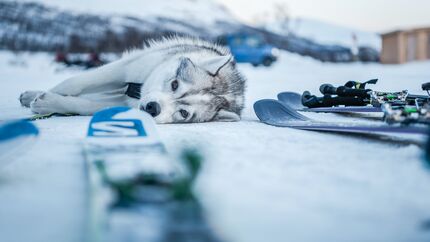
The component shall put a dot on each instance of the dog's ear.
(186, 67)
(226, 116)
(214, 64)
(185, 64)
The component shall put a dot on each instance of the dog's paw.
(45, 103)
(27, 97)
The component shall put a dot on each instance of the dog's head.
(183, 90)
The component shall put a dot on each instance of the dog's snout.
(153, 108)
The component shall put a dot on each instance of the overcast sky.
(374, 15)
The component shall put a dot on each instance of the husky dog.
(176, 80)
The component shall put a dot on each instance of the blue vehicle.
(251, 49)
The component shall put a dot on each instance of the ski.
(15, 136)
(137, 191)
(294, 100)
(407, 114)
(356, 94)
(275, 113)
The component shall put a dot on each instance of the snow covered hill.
(326, 33)
(106, 25)
(114, 26)
(199, 12)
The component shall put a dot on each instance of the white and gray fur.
(209, 86)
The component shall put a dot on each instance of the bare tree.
(282, 16)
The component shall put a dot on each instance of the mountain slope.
(36, 26)
(326, 33)
(201, 12)
(114, 26)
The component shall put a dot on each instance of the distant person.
(94, 61)
(91, 62)
(61, 57)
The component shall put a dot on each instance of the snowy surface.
(327, 33)
(260, 183)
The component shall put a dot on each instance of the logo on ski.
(117, 128)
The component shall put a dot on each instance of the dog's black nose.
(153, 108)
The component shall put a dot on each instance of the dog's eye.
(184, 113)
(174, 85)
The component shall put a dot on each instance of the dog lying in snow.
(176, 80)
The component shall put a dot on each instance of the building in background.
(405, 46)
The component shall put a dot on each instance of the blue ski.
(137, 192)
(14, 137)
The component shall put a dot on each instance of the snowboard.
(275, 113)
(15, 137)
(294, 100)
(137, 191)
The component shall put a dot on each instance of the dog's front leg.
(48, 102)
(105, 78)
(27, 97)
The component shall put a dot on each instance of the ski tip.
(293, 99)
(14, 129)
(260, 108)
(121, 122)
(108, 113)
(290, 95)
(268, 111)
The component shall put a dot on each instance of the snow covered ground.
(260, 183)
